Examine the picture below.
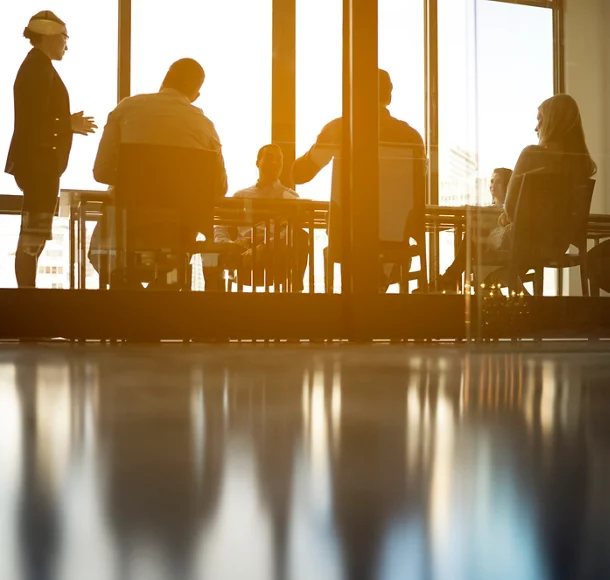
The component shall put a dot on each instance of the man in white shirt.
(270, 162)
(166, 118)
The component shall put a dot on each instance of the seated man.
(393, 133)
(165, 118)
(270, 162)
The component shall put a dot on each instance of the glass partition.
(490, 88)
(319, 82)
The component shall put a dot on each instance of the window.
(236, 56)
(89, 71)
(320, 63)
(489, 90)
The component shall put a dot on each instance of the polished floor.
(302, 462)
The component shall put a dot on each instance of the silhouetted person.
(166, 118)
(498, 186)
(562, 149)
(42, 139)
(328, 143)
(270, 163)
(393, 133)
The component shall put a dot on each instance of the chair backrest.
(175, 180)
(401, 190)
(551, 214)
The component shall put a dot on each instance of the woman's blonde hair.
(561, 125)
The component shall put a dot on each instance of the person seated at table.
(498, 185)
(562, 149)
(168, 118)
(270, 163)
(393, 133)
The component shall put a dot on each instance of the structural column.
(432, 134)
(124, 51)
(364, 148)
(283, 92)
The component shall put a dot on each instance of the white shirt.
(275, 190)
(163, 118)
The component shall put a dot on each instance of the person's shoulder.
(290, 193)
(206, 124)
(533, 150)
(533, 154)
(407, 133)
(246, 192)
(135, 100)
(35, 62)
(331, 132)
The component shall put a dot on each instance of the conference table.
(308, 214)
(82, 206)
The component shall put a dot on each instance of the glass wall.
(89, 70)
(319, 70)
(319, 77)
(490, 87)
(232, 40)
(495, 67)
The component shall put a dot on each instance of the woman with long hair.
(561, 149)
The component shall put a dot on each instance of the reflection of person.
(498, 185)
(270, 162)
(166, 118)
(42, 139)
(562, 149)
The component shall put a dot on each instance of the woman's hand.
(81, 124)
(503, 220)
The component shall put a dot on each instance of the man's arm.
(107, 159)
(326, 147)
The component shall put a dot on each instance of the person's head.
(186, 76)
(48, 33)
(560, 127)
(385, 88)
(499, 183)
(270, 162)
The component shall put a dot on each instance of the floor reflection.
(299, 463)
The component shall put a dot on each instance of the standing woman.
(42, 139)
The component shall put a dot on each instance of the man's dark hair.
(385, 87)
(264, 148)
(185, 75)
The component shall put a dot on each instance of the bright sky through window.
(487, 104)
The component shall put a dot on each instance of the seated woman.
(562, 149)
